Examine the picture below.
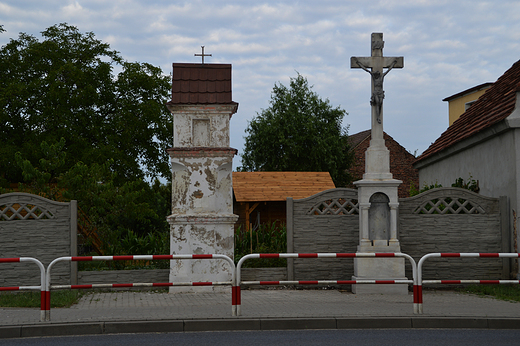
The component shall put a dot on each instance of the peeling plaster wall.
(202, 185)
(202, 220)
(185, 116)
(206, 234)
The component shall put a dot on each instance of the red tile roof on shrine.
(496, 104)
(201, 84)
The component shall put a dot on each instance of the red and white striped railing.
(33, 288)
(237, 292)
(418, 296)
(139, 284)
(326, 282)
(235, 282)
(46, 294)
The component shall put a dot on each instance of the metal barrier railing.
(236, 300)
(237, 291)
(46, 294)
(40, 288)
(420, 282)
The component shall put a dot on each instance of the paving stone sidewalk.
(156, 306)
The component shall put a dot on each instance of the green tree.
(65, 87)
(72, 128)
(298, 132)
(128, 217)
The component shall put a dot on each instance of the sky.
(448, 46)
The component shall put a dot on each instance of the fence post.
(42, 281)
(74, 241)
(290, 237)
(506, 235)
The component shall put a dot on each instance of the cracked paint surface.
(202, 219)
(201, 185)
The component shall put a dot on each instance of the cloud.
(448, 46)
(73, 9)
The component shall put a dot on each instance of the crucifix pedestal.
(377, 191)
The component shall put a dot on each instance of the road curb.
(234, 324)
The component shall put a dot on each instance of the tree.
(128, 217)
(73, 129)
(65, 87)
(298, 132)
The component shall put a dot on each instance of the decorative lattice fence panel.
(325, 222)
(24, 211)
(336, 206)
(455, 220)
(33, 226)
(449, 205)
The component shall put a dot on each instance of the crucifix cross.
(374, 65)
(202, 55)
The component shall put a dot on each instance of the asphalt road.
(400, 337)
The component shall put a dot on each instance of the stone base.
(201, 234)
(200, 289)
(385, 268)
(377, 161)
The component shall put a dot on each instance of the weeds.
(267, 238)
(59, 299)
(127, 242)
(502, 292)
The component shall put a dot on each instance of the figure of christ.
(378, 93)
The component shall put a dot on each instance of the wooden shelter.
(266, 192)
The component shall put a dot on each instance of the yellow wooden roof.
(277, 186)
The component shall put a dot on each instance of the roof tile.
(201, 84)
(496, 104)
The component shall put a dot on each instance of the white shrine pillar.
(378, 191)
(202, 219)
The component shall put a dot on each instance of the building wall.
(491, 162)
(199, 126)
(458, 106)
(494, 162)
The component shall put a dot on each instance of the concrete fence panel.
(455, 220)
(33, 226)
(325, 222)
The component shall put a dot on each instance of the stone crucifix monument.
(377, 191)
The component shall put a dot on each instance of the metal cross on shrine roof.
(202, 55)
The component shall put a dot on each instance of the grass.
(31, 299)
(502, 292)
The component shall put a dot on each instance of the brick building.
(400, 161)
